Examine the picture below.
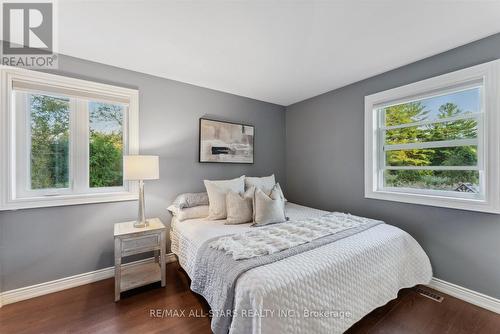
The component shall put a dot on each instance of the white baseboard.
(465, 294)
(16, 295)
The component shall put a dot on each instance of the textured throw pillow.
(265, 183)
(269, 209)
(195, 212)
(189, 200)
(239, 207)
(217, 195)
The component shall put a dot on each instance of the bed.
(323, 290)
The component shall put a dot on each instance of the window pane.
(461, 129)
(106, 144)
(441, 156)
(448, 180)
(49, 124)
(437, 107)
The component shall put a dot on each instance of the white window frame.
(13, 177)
(488, 74)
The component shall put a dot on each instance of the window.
(435, 142)
(105, 145)
(64, 140)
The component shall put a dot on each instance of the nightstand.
(130, 240)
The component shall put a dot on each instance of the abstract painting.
(226, 142)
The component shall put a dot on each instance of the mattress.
(324, 290)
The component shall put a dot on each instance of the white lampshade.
(141, 167)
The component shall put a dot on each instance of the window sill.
(52, 201)
(468, 204)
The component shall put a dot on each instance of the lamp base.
(141, 218)
(141, 224)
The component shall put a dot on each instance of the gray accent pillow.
(239, 207)
(189, 200)
(269, 209)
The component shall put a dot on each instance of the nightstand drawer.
(139, 243)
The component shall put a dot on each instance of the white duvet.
(324, 290)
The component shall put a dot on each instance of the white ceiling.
(276, 51)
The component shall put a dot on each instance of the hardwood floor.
(91, 309)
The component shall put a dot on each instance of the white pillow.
(239, 207)
(217, 195)
(265, 183)
(269, 209)
(200, 211)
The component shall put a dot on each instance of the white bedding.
(324, 290)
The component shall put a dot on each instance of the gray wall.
(325, 169)
(39, 245)
(324, 144)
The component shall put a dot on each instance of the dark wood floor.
(90, 309)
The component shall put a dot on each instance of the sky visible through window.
(466, 100)
(106, 118)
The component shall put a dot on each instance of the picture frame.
(225, 142)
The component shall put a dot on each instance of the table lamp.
(140, 168)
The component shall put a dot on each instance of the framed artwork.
(226, 142)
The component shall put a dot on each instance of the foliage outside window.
(437, 141)
(49, 154)
(423, 138)
(106, 145)
(50, 143)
